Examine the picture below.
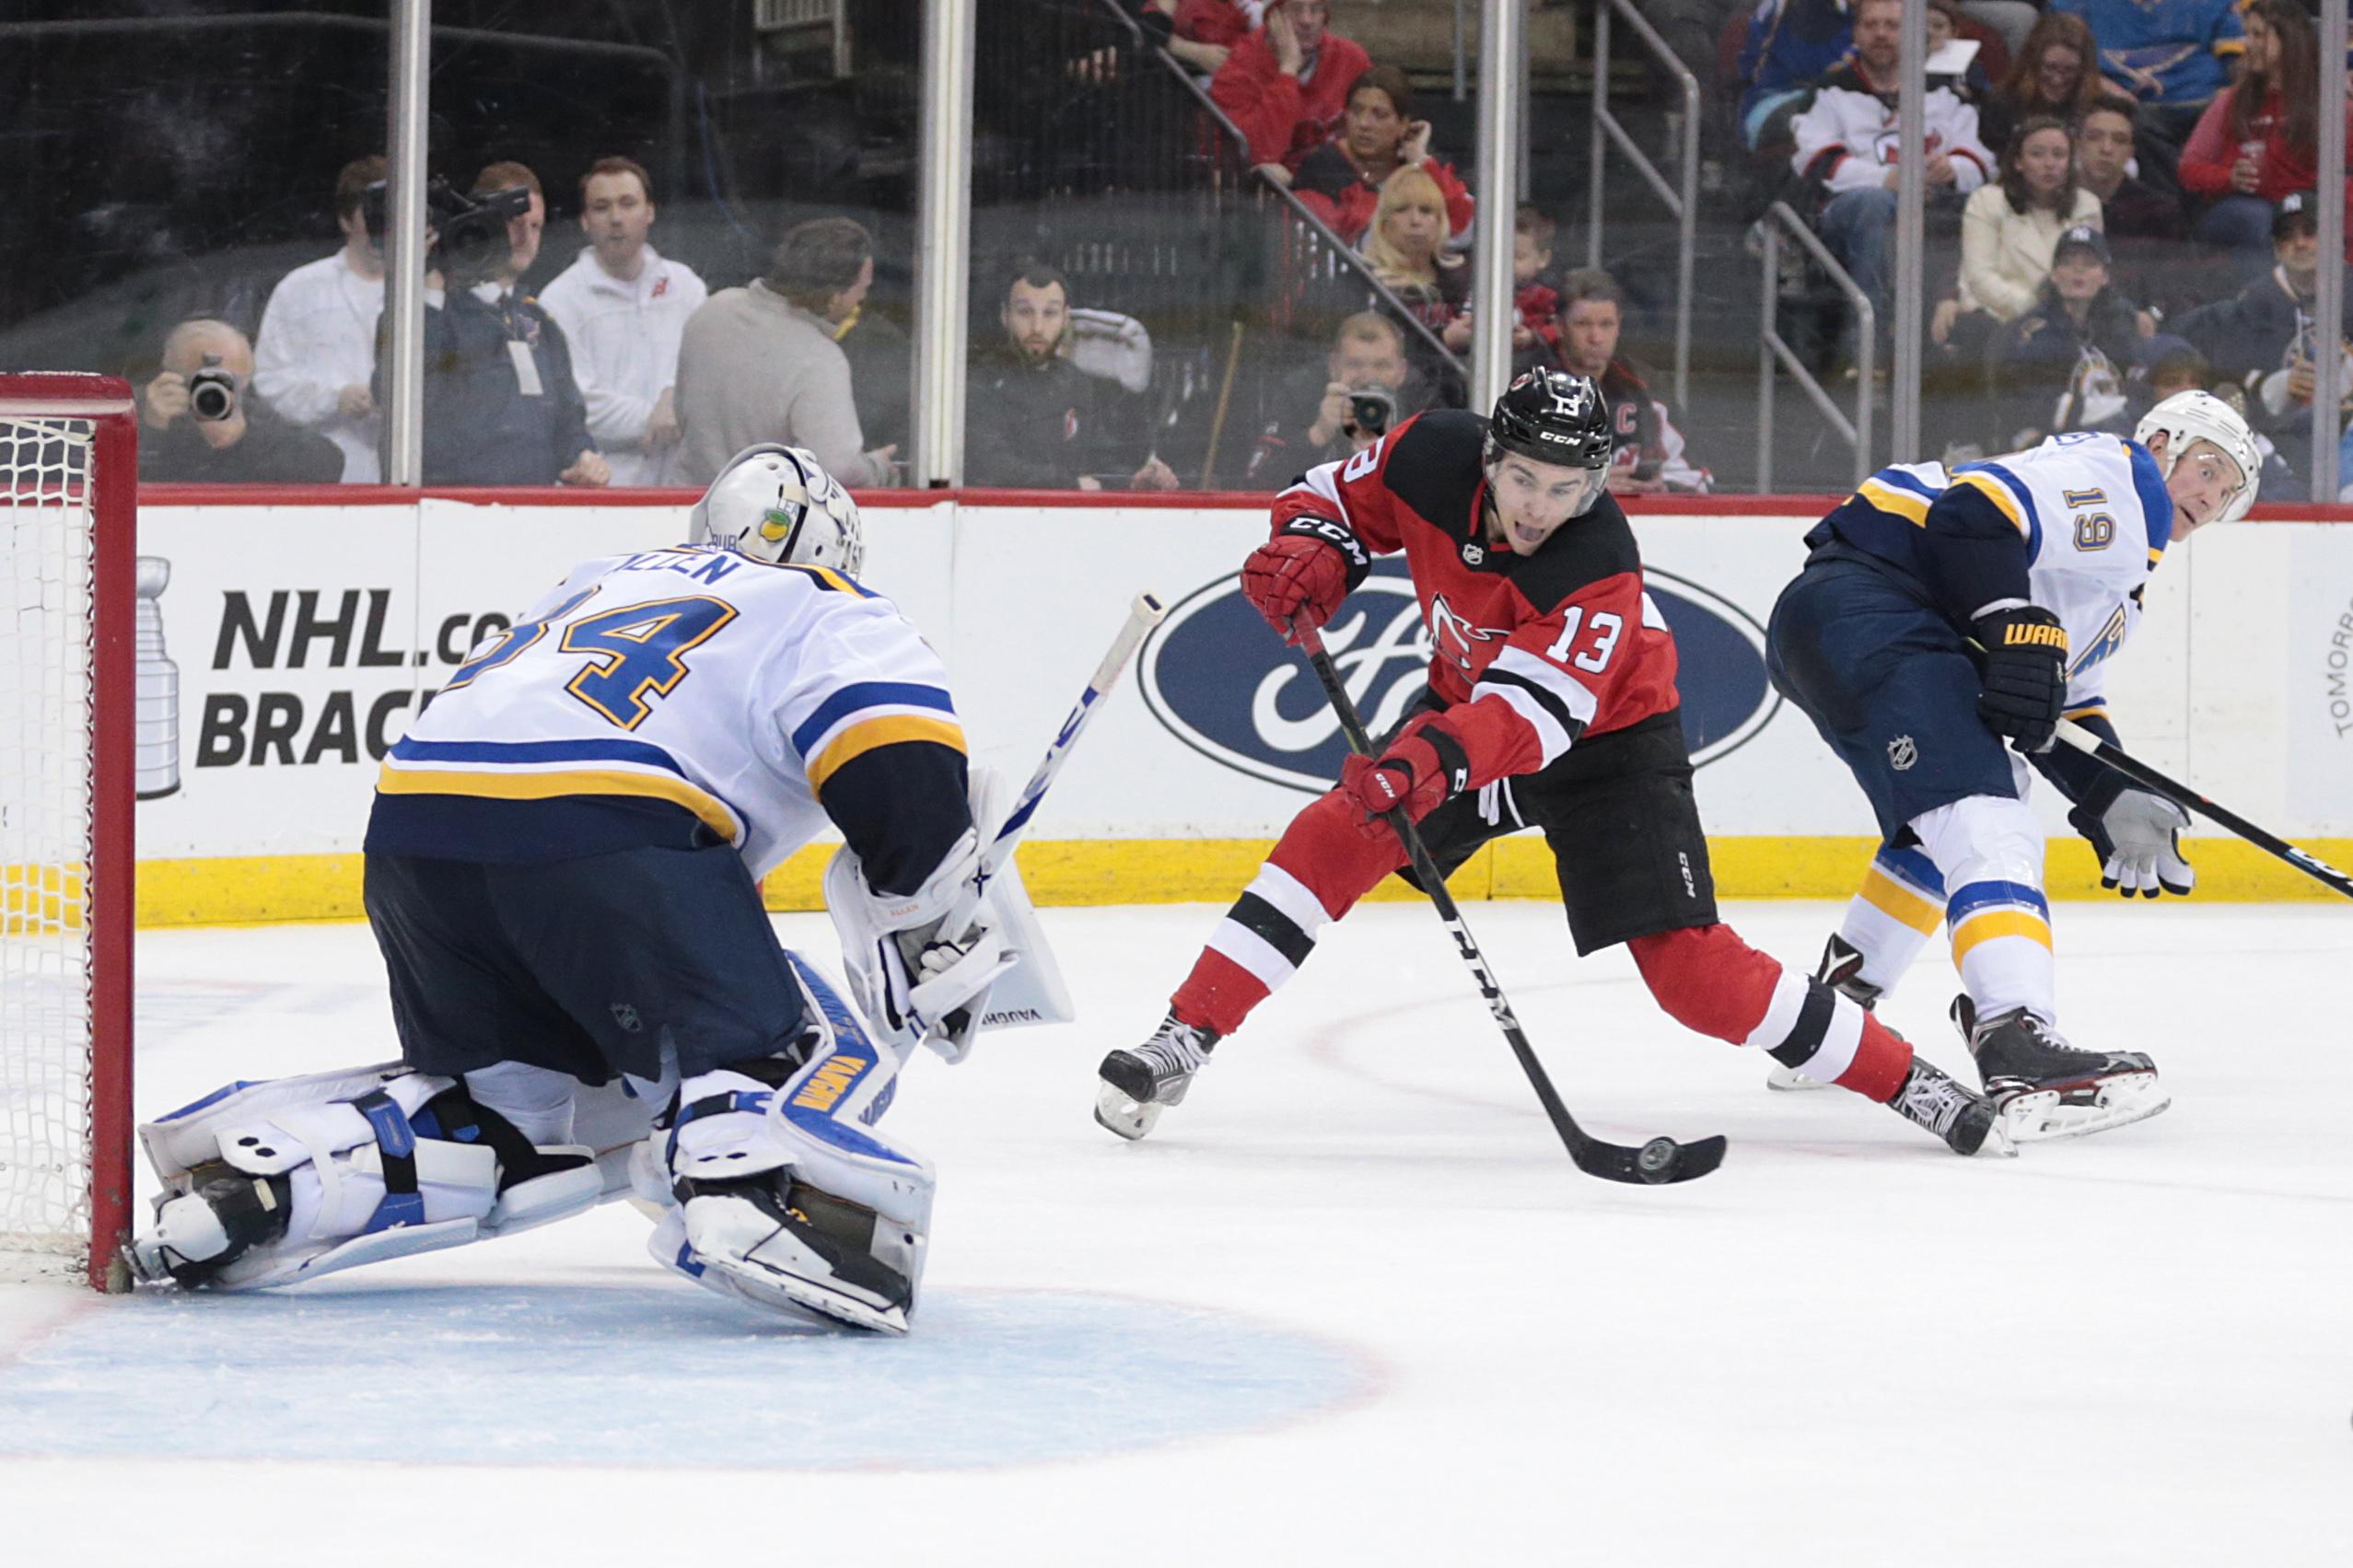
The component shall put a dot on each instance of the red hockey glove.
(1424, 767)
(1301, 574)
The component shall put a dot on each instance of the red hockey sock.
(1708, 979)
(1316, 875)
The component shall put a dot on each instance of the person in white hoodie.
(624, 306)
(316, 350)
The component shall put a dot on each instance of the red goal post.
(68, 702)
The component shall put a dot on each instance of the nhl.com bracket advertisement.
(283, 648)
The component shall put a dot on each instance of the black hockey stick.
(2183, 795)
(1656, 1162)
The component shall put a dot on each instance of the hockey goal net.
(68, 541)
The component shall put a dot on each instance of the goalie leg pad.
(273, 1183)
(786, 1196)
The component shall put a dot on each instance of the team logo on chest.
(1454, 635)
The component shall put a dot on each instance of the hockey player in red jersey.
(1551, 704)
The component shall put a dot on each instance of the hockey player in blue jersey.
(561, 872)
(1941, 614)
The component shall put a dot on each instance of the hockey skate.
(1138, 1084)
(1840, 969)
(2045, 1087)
(1933, 1099)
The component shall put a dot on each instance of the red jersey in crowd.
(1284, 117)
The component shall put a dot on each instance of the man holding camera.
(501, 407)
(1364, 386)
(204, 427)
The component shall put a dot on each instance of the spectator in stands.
(1846, 143)
(227, 435)
(2170, 58)
(1407, 245)
(2145, 226)
(2009, 232)
(624, 306)
(316, 350)
(2259, 140)
(501, 407)
(1286, 85)
(2068, 363)
(1647, 455)
(522, 233)
(2057, 73)
(1206, 31)
(1340, 181)
(2264, 340)
(880, 361)
(1326, 413)
(1790, 44)
(1033, 420)
(1535, 327)
(1972, 84)
(760, 363)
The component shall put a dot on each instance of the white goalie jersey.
(735, 689)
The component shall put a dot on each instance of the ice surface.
(1350, 1304)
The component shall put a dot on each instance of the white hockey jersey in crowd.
(1859, 127)
(695, 675)
(624, 337)
(2096, 518)
(318, 336)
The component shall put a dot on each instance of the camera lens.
(212, 395)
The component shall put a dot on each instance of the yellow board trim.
(1979, 929)
(244, 890)
(1998, 494)
(554, 784)
(1908, 906)
(891, 729)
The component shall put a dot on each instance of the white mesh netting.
(46, 726)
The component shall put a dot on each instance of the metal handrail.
(1682, 204)
(1344, 253)
(1857, 431)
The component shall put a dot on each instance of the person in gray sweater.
(762, 364)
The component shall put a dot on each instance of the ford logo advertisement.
(1226, 686)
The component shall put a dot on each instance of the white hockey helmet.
(2201, 416)
(778, 504)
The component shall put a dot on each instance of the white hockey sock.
(1893, 913)
(1990, 854)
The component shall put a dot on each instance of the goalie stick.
(1656, 1162)
(2181, 795)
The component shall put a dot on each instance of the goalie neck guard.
(777, 504)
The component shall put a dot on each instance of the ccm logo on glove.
(1301, 574)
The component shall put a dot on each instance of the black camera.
(470, 243)
(1370, 410)
(212, 392)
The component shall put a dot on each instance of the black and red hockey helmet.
(1552, 416)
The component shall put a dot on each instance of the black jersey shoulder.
(1583, 551)
(1434, 467)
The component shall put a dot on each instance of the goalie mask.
(2192, 416)
(778, 504)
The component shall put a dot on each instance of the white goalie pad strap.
(178, 1141)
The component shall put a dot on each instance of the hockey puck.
(1656, 1160)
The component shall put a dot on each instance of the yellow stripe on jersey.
(2155, 556)
(1997, 492)
(891, 729)
(1993, 922)
(2088, 709)
(556, 784)
(1903, 503)
(1902, 903)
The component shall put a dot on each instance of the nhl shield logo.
(1901, 753)
(1474, 554)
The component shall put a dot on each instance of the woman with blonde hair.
(1405, 245)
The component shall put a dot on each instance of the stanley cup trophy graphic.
(156, 717)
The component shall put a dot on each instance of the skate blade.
(1114, 1113)
(2041, 1116)
(1781, 1077)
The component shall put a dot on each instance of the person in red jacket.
(1340, 181)
(1551, 704)
(2259, 140)
(1286, 85)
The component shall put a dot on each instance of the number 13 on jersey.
(1605, 628)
